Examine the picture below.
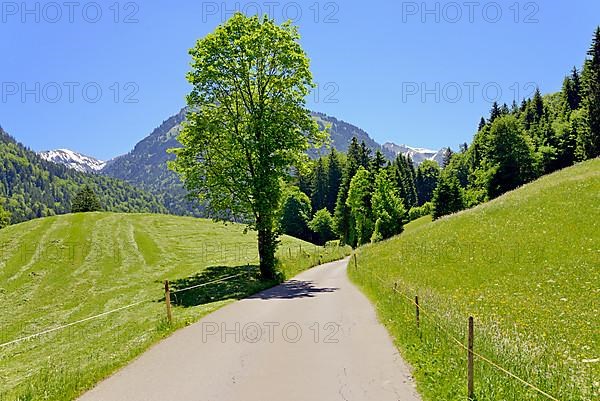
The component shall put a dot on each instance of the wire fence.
(112, 311)
(455, 340)
(418, 306)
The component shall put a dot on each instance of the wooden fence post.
(355, 266)
(417, 311)
(470, 385)
(168, 301)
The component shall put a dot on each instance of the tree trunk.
(267, 244)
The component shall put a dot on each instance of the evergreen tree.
(354, 157)
(344, 223)
(377, 163)
(537, 104)
(446, 157)
(572, 90)
(481, 124)
(412, 183)
(589, 140)
(447, 197)
(494, 112)
(403, 175)
(514, 109)
(304, 179)
(365, 155)
(334, 179)
(428, 175)
(320, 187)
(85, 201)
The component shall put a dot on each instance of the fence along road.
(312, 338)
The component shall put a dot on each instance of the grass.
(417, 224)
(61, 269)
(525, 265)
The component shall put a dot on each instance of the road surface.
(313, 338)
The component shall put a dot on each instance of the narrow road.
(313, 338)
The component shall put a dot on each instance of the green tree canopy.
(319, 187)
(248, 123)
(334, 179)
(388, 210)
(509, 157)
(322, 226)
(295, 214)
(86, 201)
(343, 220)
(447, 197)
(359, 202)
(428, 174)
(589, 141)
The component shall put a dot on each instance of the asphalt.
(315, 338)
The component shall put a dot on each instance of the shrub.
(417, 212)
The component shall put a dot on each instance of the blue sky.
(420, 73)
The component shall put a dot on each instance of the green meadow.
(526, 266)
(62, 269)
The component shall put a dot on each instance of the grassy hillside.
(526, 266)
(61, 269)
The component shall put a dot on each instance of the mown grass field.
(526, 266)
(59, 270)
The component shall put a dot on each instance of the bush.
(417, 212)
(4, 218)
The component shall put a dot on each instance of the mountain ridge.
(145, 166)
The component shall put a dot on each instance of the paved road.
(314, 338)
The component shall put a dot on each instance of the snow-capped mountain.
(73, 160)
(418, 155)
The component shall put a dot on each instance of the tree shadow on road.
(294, 289)
(215, 285)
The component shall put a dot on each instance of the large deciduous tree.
(247, 124)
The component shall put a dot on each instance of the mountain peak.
(73, 160)
(417, 155)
